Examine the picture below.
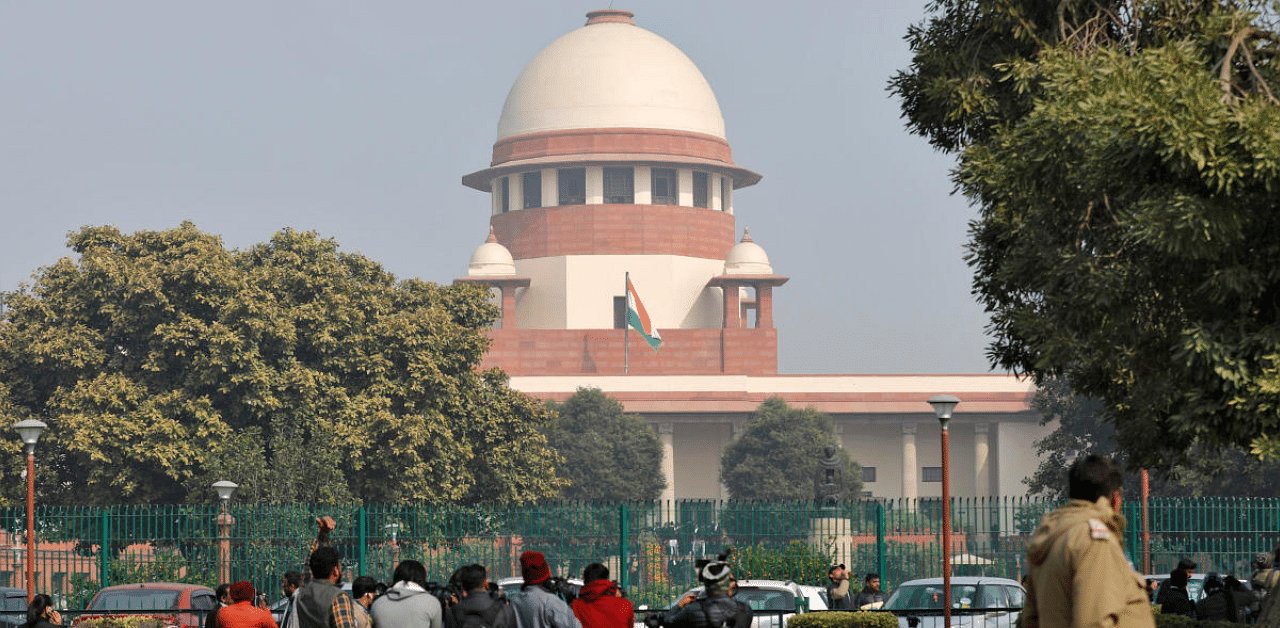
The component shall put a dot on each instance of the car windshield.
(756, 598)
(137, 600)
(15, 601)
(767, 600)
(929, 597)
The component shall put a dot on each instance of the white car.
(773, 601)
(976, 602)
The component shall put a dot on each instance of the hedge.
(1182, 621)
(844, 619)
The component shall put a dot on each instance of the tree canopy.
(163, 361)
(609, 455)
(1124, 158)
(1080, 429)
(779, 453)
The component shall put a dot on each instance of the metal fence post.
(363, 521)
(103, 522)
(623, 563)
(880, 538)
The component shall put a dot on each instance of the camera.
(563, 588)
(447, 594)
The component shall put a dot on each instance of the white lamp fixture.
(225, 489)
(942, 406)
(29, 431)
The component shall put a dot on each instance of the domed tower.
(611, 161)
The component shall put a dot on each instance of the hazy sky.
(358, 119)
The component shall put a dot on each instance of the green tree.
(778, 455)
(1124, 157)
(609, 455)
(163, 361)
(1080, 429)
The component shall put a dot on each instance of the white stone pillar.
(667, 433)
(496, 195)
(910, 481)
(643, 185)
(517, 191)
(684, 184)
(981, 465)
(595, 185)
(550, 187)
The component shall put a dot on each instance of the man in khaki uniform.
(1079, 577)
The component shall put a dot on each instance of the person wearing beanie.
(407, 602)
(599, 604)
(242, 613)
(716, 607)
(537, 606)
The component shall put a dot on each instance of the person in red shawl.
(242, 613)
(599, 603)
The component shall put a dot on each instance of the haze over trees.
(163, 362)
(1081, 430)
(1124, 158)
(609, 455)
(779, 453)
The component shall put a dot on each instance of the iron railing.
(650, 548)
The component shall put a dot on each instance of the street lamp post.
(29, 431)
(225, 522)
(942, 406)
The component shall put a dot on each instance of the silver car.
(772, 602)
(976, 601)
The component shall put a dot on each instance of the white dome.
(491, 258)
(747, 258)
(610, 74)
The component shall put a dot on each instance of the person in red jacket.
(599, 603)
(242, 613)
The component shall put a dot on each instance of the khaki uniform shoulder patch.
(1098, 530)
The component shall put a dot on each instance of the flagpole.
(626, 337)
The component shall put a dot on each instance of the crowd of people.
(1225, 597)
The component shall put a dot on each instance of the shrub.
(125, 621)
(846, 619)
(795, 561)
(1182, 621)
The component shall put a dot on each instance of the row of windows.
(618, 186)
(927, 474)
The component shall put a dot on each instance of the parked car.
(773, 601)
(13, 606)
(976, 601)
(185, 605)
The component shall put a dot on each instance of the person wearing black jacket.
(1173, 598)
(716, 608)
(479, 605)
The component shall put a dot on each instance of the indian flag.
(638, 318)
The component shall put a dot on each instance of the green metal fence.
(649, 547)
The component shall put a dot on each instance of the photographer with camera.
(539, 604)
(838, 589)
(715, 608)
(600, 604)
(407, 602)
(482, 605)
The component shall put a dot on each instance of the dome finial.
(600, 16)
(492, 239)
(746, 234)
